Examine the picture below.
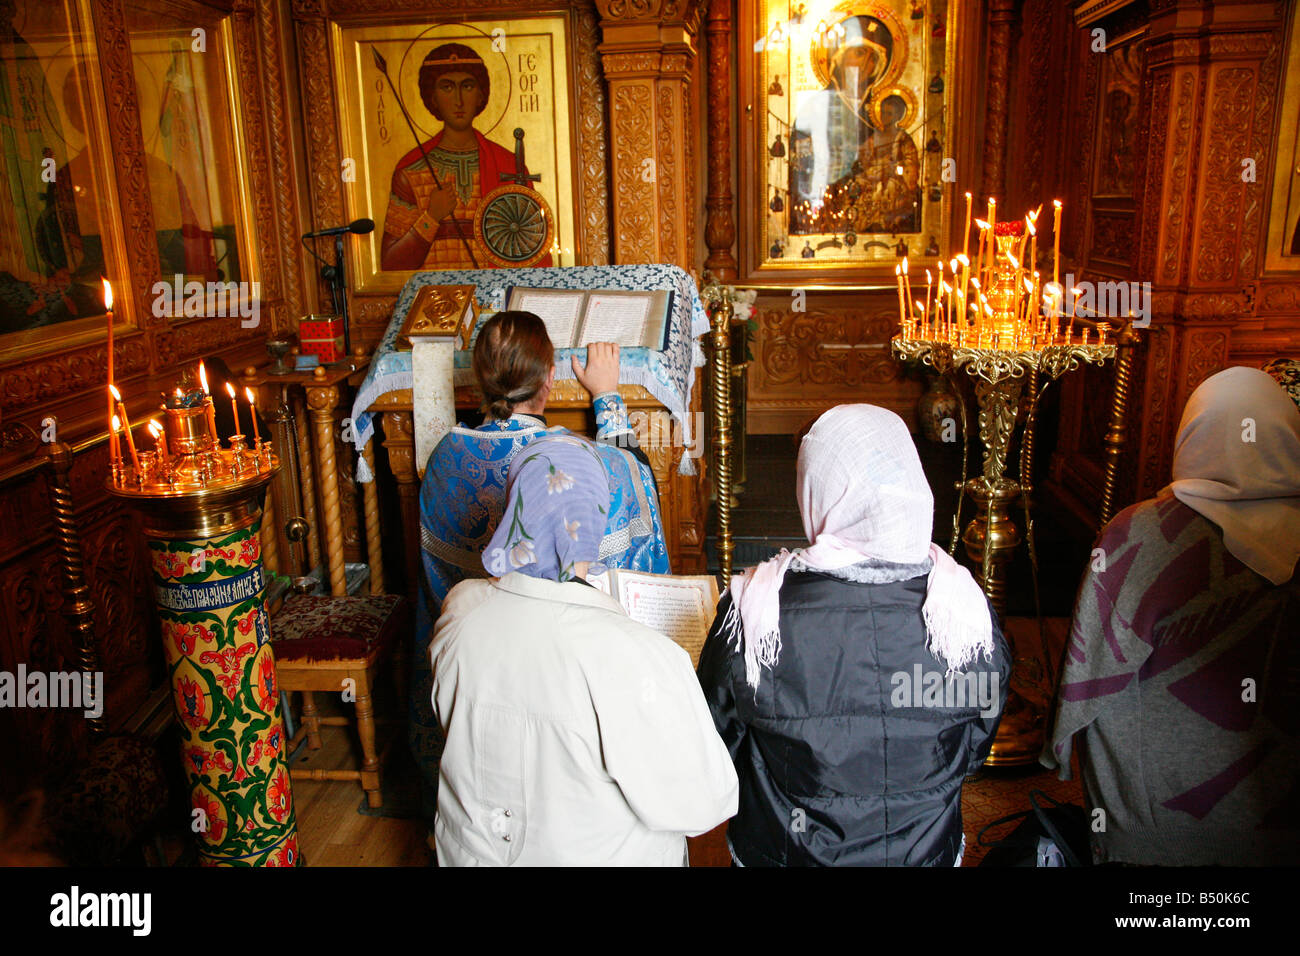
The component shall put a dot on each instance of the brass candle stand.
(720, 362)
(1000, 376)
(201, 508)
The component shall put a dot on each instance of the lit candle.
(907, 285)
(993, 242)
(160, 437)
(234, 409)
(979, 253)
(965, 279)
(1056, 241)
(928, 279)
(113, 425)
(252, 411)
(126, 427)
(902, 309)
(1032, 221)
(114, 449)
(965, 233)
(211, 409)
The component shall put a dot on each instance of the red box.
(327, 350)
(314, 328)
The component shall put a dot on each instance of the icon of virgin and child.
(429, 223)
(854, 167)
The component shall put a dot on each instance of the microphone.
(360, 227)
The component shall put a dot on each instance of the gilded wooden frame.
(1283, 240)
(372, 142)
(848, 268)
(229, 97)
(26, 344)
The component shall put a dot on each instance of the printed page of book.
(619, 317)
(559, 309)
(604, 582)
(676, 605)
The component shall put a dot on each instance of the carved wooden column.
(399, 439)
(1212, 96)
(323, 400)
(374, 535)
(720, 225)
(306, 473)
(647, 54)
(1002, 15)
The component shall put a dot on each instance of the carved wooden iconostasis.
(1177, 154)
(142, 141)
(608, 95)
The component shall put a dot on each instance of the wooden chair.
(337, 645)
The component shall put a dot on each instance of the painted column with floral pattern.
(209, 593)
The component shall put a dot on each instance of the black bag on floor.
(1047, 836)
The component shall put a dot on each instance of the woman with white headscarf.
(855, 682)
(574, 734)
(1180, 673)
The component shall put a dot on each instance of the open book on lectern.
(576, 317)
(678, 605)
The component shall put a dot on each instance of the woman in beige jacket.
(575, 736)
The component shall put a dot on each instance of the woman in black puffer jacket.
(857, 681)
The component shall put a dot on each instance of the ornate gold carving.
(643, 63)
(1112, 236)
(1227, 141)
(1207, 353)
(1002, 15)
(1177, 185)
(671, 218)
(634, 155)
(593, 156)
(720, 225)
(109, 33)
(1209, 304)
(1283, 297)
(826, 347)
(437, 311)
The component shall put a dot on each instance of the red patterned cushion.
(314, 628)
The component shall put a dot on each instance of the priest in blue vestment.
(464, 490)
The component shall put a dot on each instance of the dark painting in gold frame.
(850, 112)
(181, 55)
(59, 234)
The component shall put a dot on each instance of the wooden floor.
(333, 831)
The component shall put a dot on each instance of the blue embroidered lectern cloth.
(668, 375)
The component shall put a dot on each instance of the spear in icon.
(382, 65)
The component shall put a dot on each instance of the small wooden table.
(319, 391)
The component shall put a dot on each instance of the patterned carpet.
(996, 793)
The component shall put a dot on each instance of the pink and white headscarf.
(1237, 464)
(863, 495)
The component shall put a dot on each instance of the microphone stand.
(334, 275)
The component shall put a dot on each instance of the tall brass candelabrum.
(1000, 376)
(201, 506)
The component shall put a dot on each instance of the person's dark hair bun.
(512, 360)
